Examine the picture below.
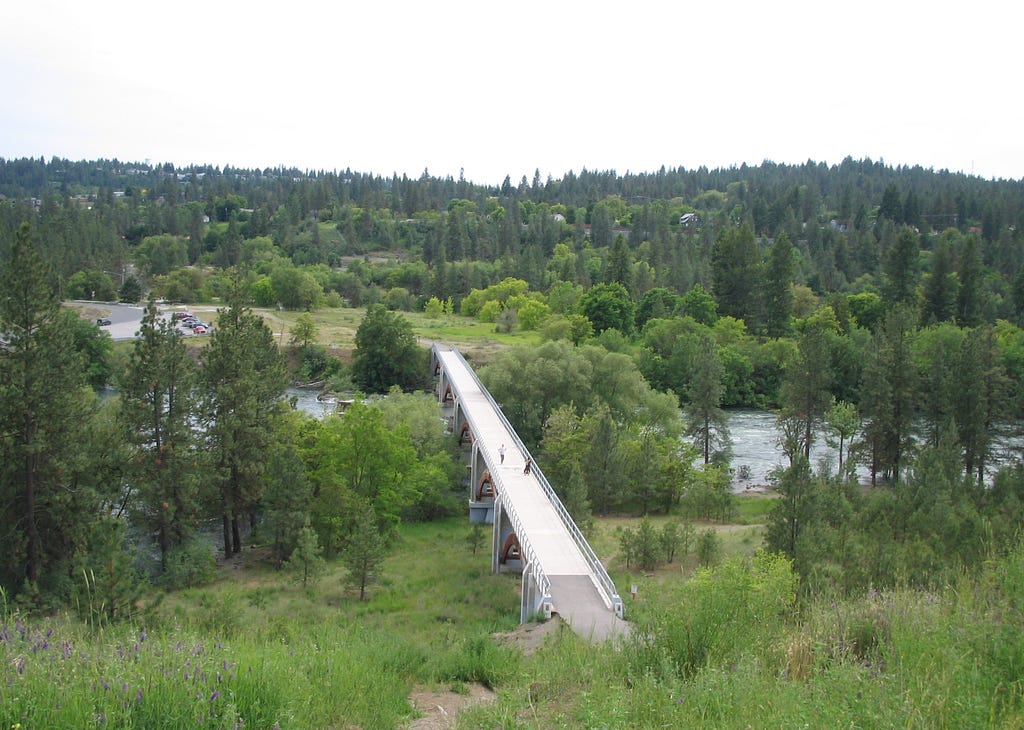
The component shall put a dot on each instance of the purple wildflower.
(214, 696)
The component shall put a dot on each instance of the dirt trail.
(440, 706)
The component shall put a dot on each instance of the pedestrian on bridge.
(526, 469)
(501, 454)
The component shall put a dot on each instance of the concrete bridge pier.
(506, 553)
(481, 489)
(534, 600)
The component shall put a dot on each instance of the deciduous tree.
(386, 353)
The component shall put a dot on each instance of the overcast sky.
(499, 89)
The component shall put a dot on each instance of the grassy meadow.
(727, 646)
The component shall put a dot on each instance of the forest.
(875, 309)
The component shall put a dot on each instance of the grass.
(337, 327)
(254, 649)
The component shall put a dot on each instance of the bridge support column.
(481, 488)
(496, 534)
(533, 602)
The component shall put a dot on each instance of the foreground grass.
(729, 647)
(256, 648)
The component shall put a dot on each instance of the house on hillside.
(689, 220)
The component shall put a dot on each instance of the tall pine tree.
(244, 378)
(43, 404)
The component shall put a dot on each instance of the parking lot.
(126, 319)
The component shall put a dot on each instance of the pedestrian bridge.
(532, 531)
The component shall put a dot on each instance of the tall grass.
(719, 655)
(728, 648)
(58, 674)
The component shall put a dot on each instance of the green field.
(255, 649)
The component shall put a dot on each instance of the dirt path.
(440, 706)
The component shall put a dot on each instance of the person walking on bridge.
(501, 454)
(526, 469)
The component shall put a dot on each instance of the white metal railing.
(604, 581)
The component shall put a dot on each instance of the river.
(753, 440)
(754, 446)
(755, 451)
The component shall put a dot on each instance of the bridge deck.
(555, 547)
(575, 592)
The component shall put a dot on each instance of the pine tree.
(42, 405)
(619, 268)
(901, 267)
(306, 561)
(887, 394)
(940, 288)
(736, 270)
(158, 408)
(778, 290)
(706, 421)
(364, 555)
(968, 301)
(805, 388)
(244, 378)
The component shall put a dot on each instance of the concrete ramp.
(580, 604)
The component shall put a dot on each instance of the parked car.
(181, 315)
(189, 322)
(103, 322)
(200, 329)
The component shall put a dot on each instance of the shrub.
(190, 565)
(716, 616)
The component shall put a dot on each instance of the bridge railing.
(605, 583)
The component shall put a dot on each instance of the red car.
(200, 329)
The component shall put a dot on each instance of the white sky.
(507, 88)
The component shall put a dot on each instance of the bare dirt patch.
(440, 706)
(530, 637)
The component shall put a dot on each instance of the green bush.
(716, 617)
(188, 566)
